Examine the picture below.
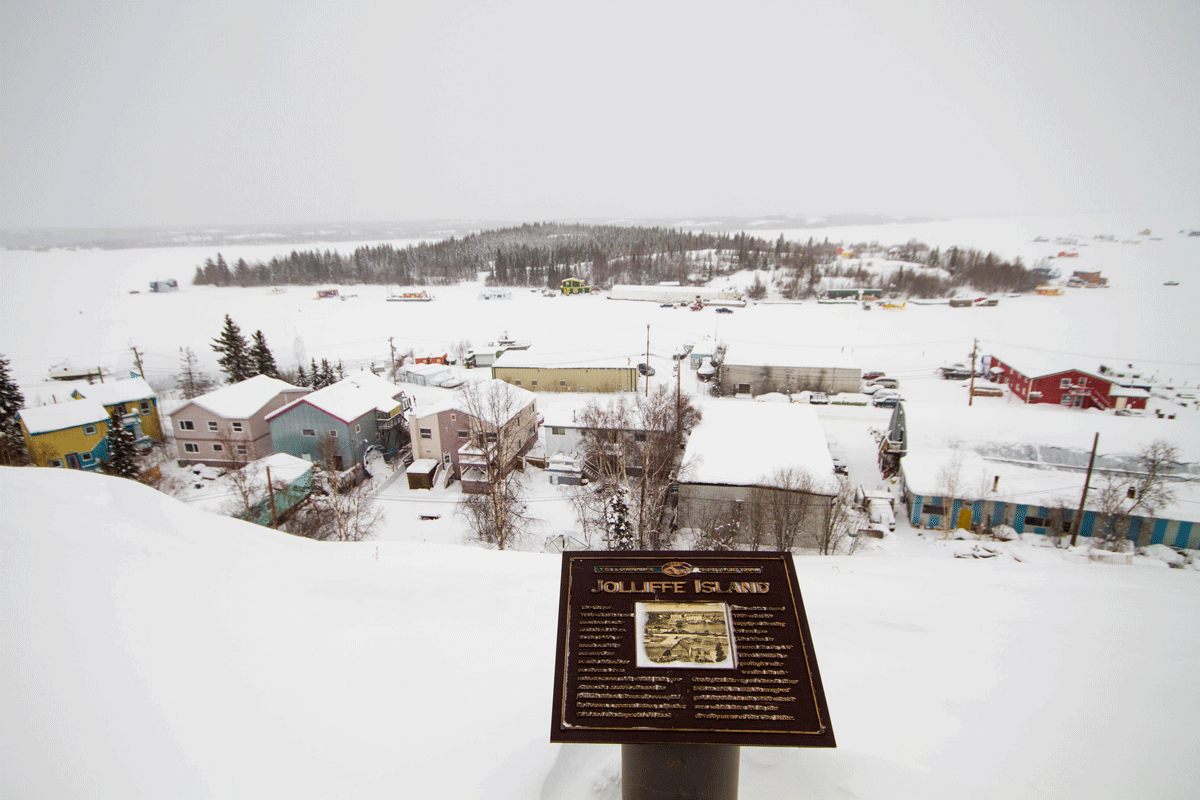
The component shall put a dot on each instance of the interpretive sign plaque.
(686, 647)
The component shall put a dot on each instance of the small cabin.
(575, 286)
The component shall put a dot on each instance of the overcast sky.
(157, 113)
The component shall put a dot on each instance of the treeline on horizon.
(543, 254)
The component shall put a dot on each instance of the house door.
(964, 519)
(73, 460)
(1077, 401)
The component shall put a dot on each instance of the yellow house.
(134, 400)
(70, 434)
(575, 286)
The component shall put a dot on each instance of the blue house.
(335, 426)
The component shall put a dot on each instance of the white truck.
(879, 506)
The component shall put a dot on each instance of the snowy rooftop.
(107, 394)
(582, 359)
(773, 355)
(241, 400)
(744, 443)
(60, 416)
(1037, 363)
(351, 397)
(1027, 431)
(926, 470)
(520, 399)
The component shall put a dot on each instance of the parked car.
(819, 399)
(871, 388)
(870, 376)
(885, 398)
(645, 369)
(724, 310)
(887, 383)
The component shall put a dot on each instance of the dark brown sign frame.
(686, 647)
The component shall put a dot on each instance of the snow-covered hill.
(153, 650)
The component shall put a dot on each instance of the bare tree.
(460, 349)
(642, 436)
(191, 380)
(788, 502)
(333, 515)
(1147, 490)
(949, 480)
(840, 519)
(500, 422)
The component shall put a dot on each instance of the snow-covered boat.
(410, 297)
(509, 344)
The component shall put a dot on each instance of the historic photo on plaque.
(684, 636)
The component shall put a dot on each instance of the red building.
(1074, 388)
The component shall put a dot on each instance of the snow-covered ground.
(151, 648)
(154, 650)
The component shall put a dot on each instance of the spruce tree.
(617, 522)
(327, 376)
(302, 377)
(235, 358)
(12, 443)
(122, 449)
(260, 354)
(314, 377)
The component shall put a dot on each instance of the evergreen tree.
(12, 443)
(341, 371)
(122, 449)
(260, 355)
(314, 377)
(302, 378)
(327, 376)
(619, 527)
(235, 358)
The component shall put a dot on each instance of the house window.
(237, 427)
(217, 448)
(491, 436)
(308, 432)
(639, 436)
(426, 433)
(1066, 400)
(462, 435)
(1065, 383)
(145, 405)
(743, 388)
(939, 510)
(533, 383)
(241, 449)
(332, 434)
(186, 425)
(562, 384)
(191, 447)
(1037, 522)
(89, 430)
(517, 381)
(1083, 381)
(454, 418)
(358, 428)
(86, 458)
(56, 462)
(212, 426)
(120, 408)
(558, 431)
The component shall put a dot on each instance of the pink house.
(228, 427)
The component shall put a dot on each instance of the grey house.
(760, 370)
(336, 425)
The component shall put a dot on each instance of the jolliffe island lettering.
(681, 587)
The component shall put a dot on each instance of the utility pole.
(1075, 523)
(138, 358)
(271, 494)
(647, 361)
(393, 349)
(971, 392)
